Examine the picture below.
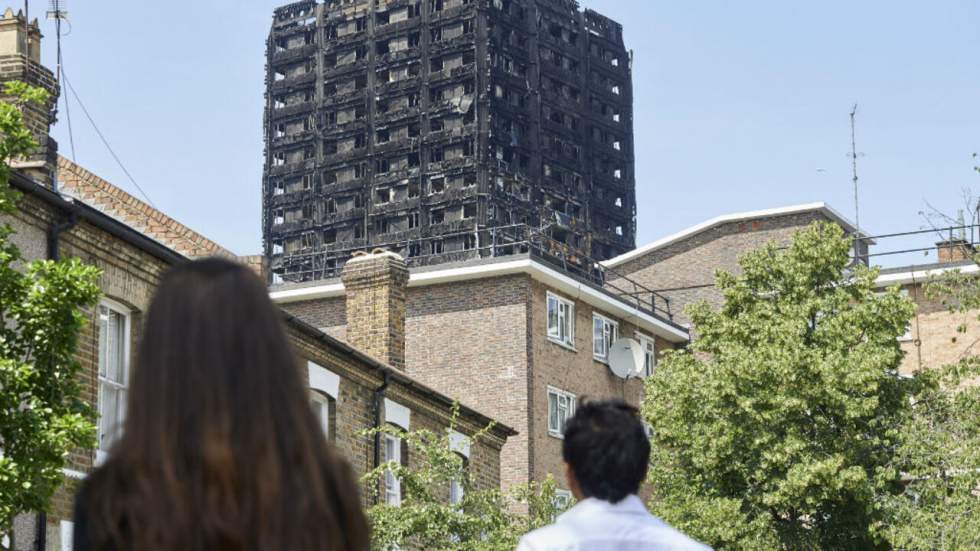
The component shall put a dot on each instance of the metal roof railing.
(480, 243)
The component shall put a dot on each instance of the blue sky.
(738, 106)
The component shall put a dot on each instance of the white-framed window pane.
(567, 322)
(561, 320)
(563, 498)
(112, 344)
(113, 374)
(604, 334)
(103, 340)
(321, 409)
(649, 353)
(598, 337)
(562, 413)
(455, 491)
(67, 529)
(393, 452)
(553, 330)
(561, 406)
(568, 326)
(552, 412)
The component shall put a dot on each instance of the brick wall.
(354, 411)
(327, 314)
(935, 341)
(469, 340)
(574, 371)
(485, 343)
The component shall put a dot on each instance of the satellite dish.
(626, 358)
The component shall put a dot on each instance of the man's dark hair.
(607, 448)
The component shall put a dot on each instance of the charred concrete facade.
(432, 128)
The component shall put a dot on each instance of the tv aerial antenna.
(854, 167)
(58, 11)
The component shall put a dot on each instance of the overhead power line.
(104, 140)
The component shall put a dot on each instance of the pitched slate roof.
(77, 182)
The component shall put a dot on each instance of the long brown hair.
(220, 449)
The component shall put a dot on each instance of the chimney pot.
(954, 250)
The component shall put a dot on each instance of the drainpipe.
(55, 231)
(41, 537)
(379, 394)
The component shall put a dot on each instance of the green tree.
(42, 417)
(940, 460)
(485, 519)
(776, 428)
(940, 455)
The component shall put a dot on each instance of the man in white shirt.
(606, 453)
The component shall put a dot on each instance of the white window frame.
(103, 444)
(605, 331)
(320, 403)
(561, 333)
(563, 498)
(456, 489)
(649, 345)
(393, 486)
(67, 531)
(556, 427)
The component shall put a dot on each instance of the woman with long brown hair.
(220, 449)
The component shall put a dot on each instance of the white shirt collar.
(630, 505)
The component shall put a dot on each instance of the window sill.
(557, 435)
(603, 361)
(562, 344)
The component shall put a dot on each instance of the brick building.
(936, 336)
(345, 383)
(682, 266)
(419, 125)
(516, 336)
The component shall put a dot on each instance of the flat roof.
(484, 268)
(923, 272)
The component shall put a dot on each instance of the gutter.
(104, 222)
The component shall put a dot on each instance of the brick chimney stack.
(375, 288)
(954, 250)
(20, 59)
